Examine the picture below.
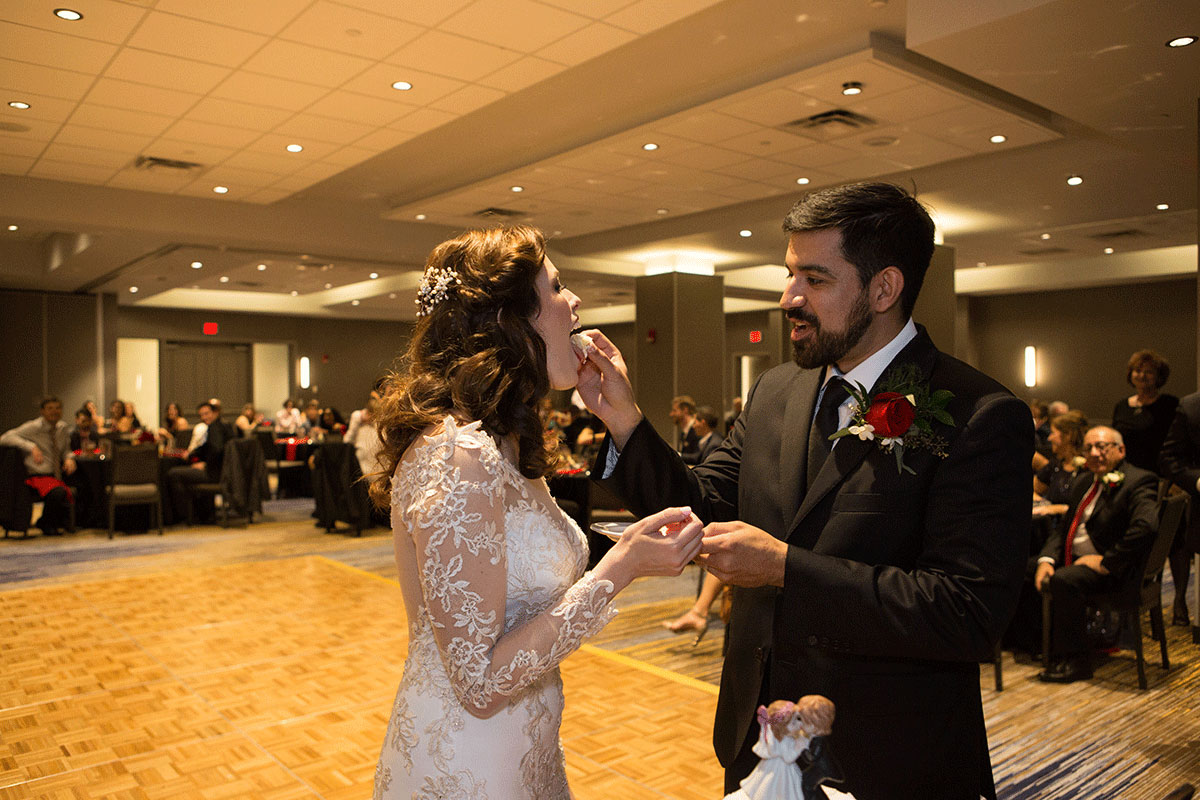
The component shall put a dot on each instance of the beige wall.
(1084, 339)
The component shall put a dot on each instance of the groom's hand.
(743, 555)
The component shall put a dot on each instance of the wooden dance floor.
(204, 665)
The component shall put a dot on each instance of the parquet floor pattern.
(274, 679)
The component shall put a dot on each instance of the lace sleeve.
(456, 518)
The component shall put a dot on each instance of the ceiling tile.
(911, 103)
(203, 188)
(23, 147)
(756, 168)
(467, 99)
(706, 126)
(772, 107)
(304, 63)
(597, 160)
(51, 49)
(49, 109)
(360, 108)
(212, 44)
(703, 157)
(75, 173)
(206, 154)
(452, 56)
(138, 96)
(158, 180)
(521, 74)
(119, 119)
(423, 12)
(877, 80)
(816, 154)
(349, 156)
(156, 69)
(266, 196)
(47, 81)
(350, 30)
(521, 24)
(787, 181)
(303, 127)
(190, 130)
(765, 142)
(263, 162)
(72, 133)
(15, 165)
(612, 184)
(239, 115)
(649, 15)
(861, 168)
(585, 44)
(250, 87)
(237, 179)
(595, 9)
(276, 144)
(88, 155)
(750, 190)
(912, 149)
(104, 20)
(266, 18)
(384, 139)
(422, 120)
(427, 87)
(293, 184)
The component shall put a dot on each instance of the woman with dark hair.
(173, 423)
(492, 571)
(1143, 418)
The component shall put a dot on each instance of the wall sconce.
(304, 373)
(1031, 366)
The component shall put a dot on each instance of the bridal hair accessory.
(434, 287)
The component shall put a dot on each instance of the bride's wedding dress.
(491, 573)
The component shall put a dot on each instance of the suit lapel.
(793, 439)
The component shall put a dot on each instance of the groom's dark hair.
(881, 224)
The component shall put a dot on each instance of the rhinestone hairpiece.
(434, 287)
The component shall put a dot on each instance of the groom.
(876, 581)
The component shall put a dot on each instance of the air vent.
(154, 162)
(1109, 236)
(1044, 251)
(502, 213)
(830, 124)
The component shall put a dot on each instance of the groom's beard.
(826, 347)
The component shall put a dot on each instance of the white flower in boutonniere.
(888, 442)
(1113, 479)
(864, 432)
(1078, 461)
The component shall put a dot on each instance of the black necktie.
(825, 423)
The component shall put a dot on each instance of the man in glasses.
(1109, 524)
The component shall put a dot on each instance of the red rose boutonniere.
(899, 416)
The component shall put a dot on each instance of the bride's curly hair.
(474, 352)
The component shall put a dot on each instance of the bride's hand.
(605, 389)
(660, 544)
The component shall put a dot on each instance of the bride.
(491, 570)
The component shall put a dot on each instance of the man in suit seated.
(208, 449)
(48, 459)
(1109, 524)
(704, 425)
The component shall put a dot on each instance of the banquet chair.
(274, 464)
(1141, 590)
(133, 480)
(338, 488)
(16, 501)
(242, 484)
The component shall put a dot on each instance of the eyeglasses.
(1103, 447)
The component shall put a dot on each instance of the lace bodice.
(491, 570)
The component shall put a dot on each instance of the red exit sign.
(755, 337)
(210, 329)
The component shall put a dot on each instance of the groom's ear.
(885, 289)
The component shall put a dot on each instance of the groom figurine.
(877, 578)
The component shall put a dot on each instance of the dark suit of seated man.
(1109, 525)
(704, 426)
(208, 446)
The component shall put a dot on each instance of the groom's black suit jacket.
(896, 585)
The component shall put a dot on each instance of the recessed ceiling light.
(373, 275)
(1108, 251)
(999, 138)
(1162, 206)
(420, 216)
(402, 86)
(1181, 41)
(262, 267)
(518, 188)
(294, 293)
(295, 148)
(981, 263)
(18, 104)
(224, 279)
(745, 234)
(852, 88)
(392, 296)
(649, 146)
(133, 290)
(69, 14)
(12, 227)
(802, 181)
(661, 211)
(197, 264)
(353, 302)
(1074, 180)
(220, 189)
(329, 286)
(1045, 236)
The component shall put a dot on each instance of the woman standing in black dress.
(1143, 420)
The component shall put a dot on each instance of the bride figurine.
(794, 756)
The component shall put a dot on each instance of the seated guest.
(207, 448)
(1179, 462)
(84, 437)
(1041, 432)
(310, 422)
(288, 418)
(248, 420)
(358, 414)
(705, 425)
(1110, 523)
(365, 438)
(119, 421)
(173, 422)
(1066, 443)
(1058, 407)
(332, 421)
(48, 458)
(97, 417)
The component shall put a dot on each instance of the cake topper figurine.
(795, 761)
